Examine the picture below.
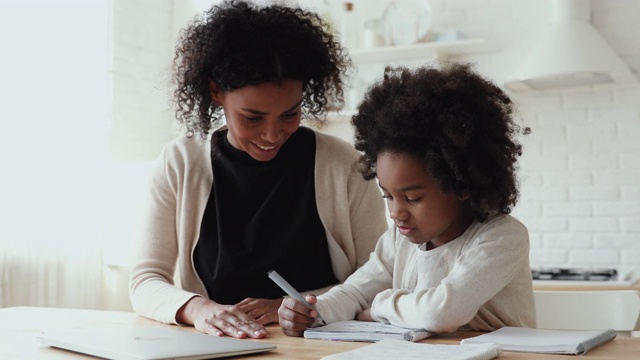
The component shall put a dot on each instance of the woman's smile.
(261, 118)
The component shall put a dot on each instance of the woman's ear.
(215, 93)
(464, 196)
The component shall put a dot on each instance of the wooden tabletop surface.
(20, 325)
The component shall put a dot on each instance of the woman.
(261, 192)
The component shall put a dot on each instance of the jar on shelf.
(372, 35)
(348, 30)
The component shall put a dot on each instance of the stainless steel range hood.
(570, 53)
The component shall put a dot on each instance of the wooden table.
(20, 325)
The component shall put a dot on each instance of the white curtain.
(54, 111)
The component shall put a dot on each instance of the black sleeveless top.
(262, 216)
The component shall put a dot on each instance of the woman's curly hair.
(456, 122)
(237, 44)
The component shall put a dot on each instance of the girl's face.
(262, 117)
(420, 210)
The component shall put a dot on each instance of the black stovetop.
(574, 274)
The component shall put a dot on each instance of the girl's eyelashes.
(407, 199)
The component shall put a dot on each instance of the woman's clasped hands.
(241, 320)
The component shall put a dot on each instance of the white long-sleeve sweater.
(479, 281)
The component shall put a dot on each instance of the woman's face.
(420, 210)
(262, 117)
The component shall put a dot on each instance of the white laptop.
(149, 343)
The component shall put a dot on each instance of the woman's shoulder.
(334, 148)
(184, 144)
(185, 150)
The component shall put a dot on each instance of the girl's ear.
(464, 196)
(215, 93)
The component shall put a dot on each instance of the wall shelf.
(369, 63)
(439, 50)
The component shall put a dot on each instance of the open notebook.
(150, 343)
(404, 350)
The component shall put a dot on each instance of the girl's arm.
(486, 266)
(345, 301)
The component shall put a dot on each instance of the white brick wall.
(580, 173)
(585, 142)
(142, 52)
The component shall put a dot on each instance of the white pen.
(284, 285)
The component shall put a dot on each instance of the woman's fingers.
(230, 330)
(237, 328)
(264, 311)
(250, 327)
(229, 321)
(268, 318)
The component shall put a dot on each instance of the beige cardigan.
(350, 208)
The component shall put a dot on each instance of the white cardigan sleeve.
(151, 283)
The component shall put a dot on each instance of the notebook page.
(398, 349)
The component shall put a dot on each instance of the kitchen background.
(580, 172)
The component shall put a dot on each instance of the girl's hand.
(364, 315)
(212, 318)
(264, 311)
(295, 316)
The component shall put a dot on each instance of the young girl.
(441, 143)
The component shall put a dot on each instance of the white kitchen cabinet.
(369, 63)
(369, 67)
